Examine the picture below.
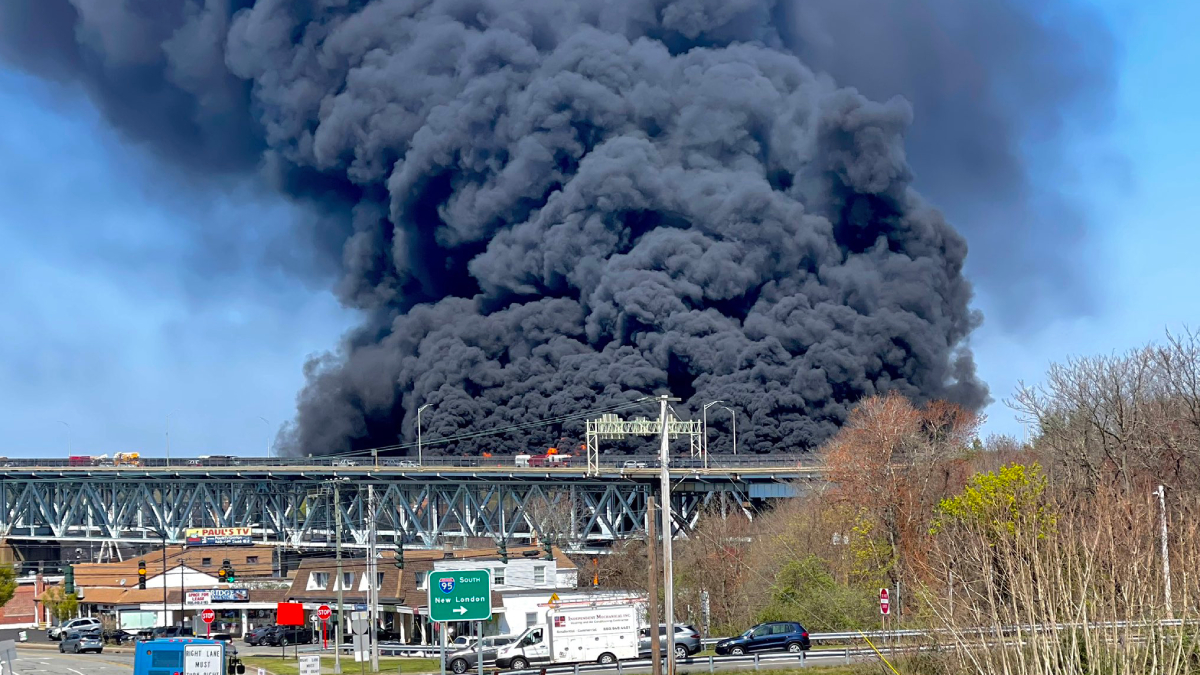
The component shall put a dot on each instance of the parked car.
(82, 623)
(687, 640)
(259, 635)
(785, 636)
(171, 632)
(116, 636)
(289, 635)
(78, 643)
(467, 658)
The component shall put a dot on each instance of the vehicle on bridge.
(185, 656)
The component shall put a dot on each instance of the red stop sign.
(208, 615)
(885, 603)
(323, 612)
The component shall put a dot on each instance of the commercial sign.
(219, 536)
(460, 595)
(217, 595)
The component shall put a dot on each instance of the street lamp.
(168, 428)
(733, 416)
(420, 457)
(704, 413)
(68, 426)
(268, 423)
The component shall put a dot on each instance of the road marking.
(73, 671)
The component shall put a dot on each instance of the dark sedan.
(258, 636)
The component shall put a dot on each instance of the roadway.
(46, 662)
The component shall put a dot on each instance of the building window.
(530, 619)
(251, 560)
(498, 576)
(539, 574)
(206, 562)
(362, 585)
(347, 581)
(422, 580)
(318, 581)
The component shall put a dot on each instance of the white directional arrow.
(460, 610)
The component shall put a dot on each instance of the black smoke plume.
(546, 207)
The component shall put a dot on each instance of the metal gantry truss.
(298, 511)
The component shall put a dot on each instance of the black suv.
(784, 636)
(283, 636)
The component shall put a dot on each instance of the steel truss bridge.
(293, 505)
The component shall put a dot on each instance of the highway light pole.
(341, 616)
(704, 413)
(420, 457)
(167, 426)
(733, 416)
(268, 423)
(68, 426)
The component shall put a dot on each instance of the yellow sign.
(554, 597)
(218, 536)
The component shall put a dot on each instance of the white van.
(602, 634)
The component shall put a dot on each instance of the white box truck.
(602, 634)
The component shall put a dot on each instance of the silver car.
(467, 658)
(85, 623)
(687, 640)
(78, 643)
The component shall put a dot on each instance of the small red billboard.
(289, 614)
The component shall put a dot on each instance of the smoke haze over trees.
(547, 207)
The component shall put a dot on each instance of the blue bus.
(185, 656)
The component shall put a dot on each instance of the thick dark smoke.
(545, 207)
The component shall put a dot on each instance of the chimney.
(447, 550)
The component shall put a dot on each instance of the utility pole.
(664, 458)
(337, 640)
(372, 580)
(652, 588)
(1166, 560)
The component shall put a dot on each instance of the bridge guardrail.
(617, 462)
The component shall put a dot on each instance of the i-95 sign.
(202, 660)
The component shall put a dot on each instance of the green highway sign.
(460, 595)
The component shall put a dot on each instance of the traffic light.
(69, 580)
(549, 549)
(399, 556)
(230, 575)
(503, 551)
(223, 573)
(142, 574)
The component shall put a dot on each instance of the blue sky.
(132, 294)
